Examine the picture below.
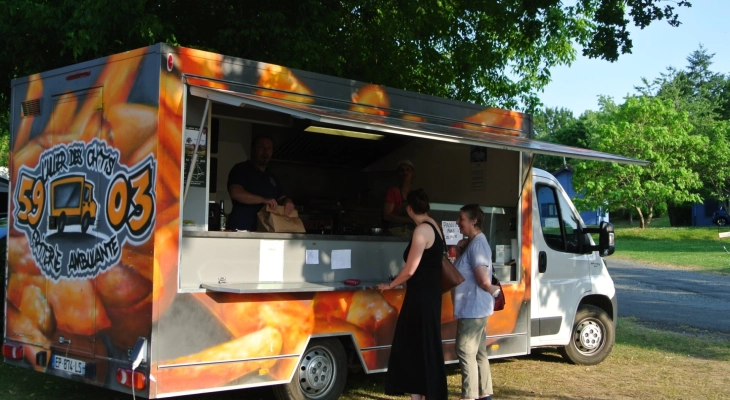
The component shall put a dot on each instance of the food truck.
(148, 296)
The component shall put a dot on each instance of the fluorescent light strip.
(343, 132)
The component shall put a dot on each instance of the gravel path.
(682, 300)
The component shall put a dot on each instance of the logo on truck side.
(80, 205)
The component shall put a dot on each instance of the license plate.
(69, 365)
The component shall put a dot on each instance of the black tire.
(85, 223)
(320, 375)
(592, 337)
(722, 221)
(61, 223)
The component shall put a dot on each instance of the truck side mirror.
(584, 241)
(606, 240)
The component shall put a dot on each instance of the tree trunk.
(642, 225)
(650, 216)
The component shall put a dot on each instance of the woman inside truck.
(395, 217)
(416, 364)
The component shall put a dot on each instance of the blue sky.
(655, 48)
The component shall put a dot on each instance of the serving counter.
(256, 262)
(289, 236)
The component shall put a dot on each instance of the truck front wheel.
(85, 222)
(592, 337)
(320, 375)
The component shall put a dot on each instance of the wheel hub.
(590, 336)
(316, 372)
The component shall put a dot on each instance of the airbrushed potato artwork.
(104, 286)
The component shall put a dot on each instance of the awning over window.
(405, 126)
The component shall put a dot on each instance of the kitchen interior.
(338, 183)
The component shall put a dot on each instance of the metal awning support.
(526, 175)
(195, 151)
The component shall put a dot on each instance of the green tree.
(494, 52)
(646, 128)
(701, 93)
(725, 99)
(559, 126)
(547, 123)
(4, 135)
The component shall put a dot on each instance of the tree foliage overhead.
(492, 52)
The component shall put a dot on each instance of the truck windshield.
(67, 195)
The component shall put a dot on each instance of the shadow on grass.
(372, 387)
(523, 394)
(21, 383)
(363, 386)
(688, 245)
(661, 222)
(678, 339)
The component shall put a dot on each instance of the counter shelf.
(290, 287)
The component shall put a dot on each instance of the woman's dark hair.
(418, 200)
(473, 211)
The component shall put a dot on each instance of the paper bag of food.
(274, 220)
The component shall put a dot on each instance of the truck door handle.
(542, 262)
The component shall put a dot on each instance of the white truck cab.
(576, 305)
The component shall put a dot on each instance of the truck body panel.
(142, 285)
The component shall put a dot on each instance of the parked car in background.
(720, 217)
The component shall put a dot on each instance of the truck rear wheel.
(320, 375)
(592, 337)
(61, 223)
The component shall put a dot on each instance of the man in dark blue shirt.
(251, 187)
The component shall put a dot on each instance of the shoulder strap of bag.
(443, 240)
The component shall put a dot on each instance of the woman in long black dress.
(416, 364)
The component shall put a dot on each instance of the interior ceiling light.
(343, 132)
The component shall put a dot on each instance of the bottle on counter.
(223, 216)
(213, 217)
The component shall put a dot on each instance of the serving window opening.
(338, 177)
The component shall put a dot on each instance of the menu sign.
(199, 169)
(451, 232)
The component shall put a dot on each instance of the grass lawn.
(686, 247)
